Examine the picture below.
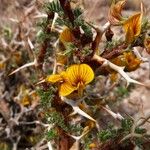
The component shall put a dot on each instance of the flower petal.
(61, 58)
(54, 78)
(86, 73)
(132, 62)
(114, 14)
(117, 8)
(73, 74)
(66, 36)
(129, 35)
(66, 89)
(132, 26)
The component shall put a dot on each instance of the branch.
(137, 123)
(118, 69)
(114, 115)
(54, 21)
(142, 121)
(44, 46)
(100, 32)
(131, 135)
(75, 145)
(34, 63)
(49, 145)
(77, 110)
(138, 55)
(65, 4)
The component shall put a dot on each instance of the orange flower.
(128, 60)
(114, 15)
(132, 27)
(76, 77)
(66, 36)
(132, 62)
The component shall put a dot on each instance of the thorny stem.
(130, 136)
(142, 121)
(115, 52)
(138, 55)
(44, 46)
(78, 138)
(114, 115)
(65, 141)
(15, 144)
(54, 20)
(24, 66)
(100, 32)
(65, 4)
(77, 110)
(118, 69)
(137, 123)
(34, 63)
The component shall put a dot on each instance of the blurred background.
(18, 20)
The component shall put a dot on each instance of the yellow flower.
(132, 27)
(76, 77)
(114, 15)
(92, 146)
(64, 37)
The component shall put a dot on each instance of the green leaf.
(140, 130)
(51, 134)
(77, 12)
(46, 97)
(126, 124)
(107, 134)
(57, 119)
(122, 91)
(54, 7)
(70, 48)
(87, 30)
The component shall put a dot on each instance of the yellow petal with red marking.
(80, 73)
(73, 74)
(86, 73)
(66, 89)
(54, 78)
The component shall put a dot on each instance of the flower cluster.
(131, 25)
